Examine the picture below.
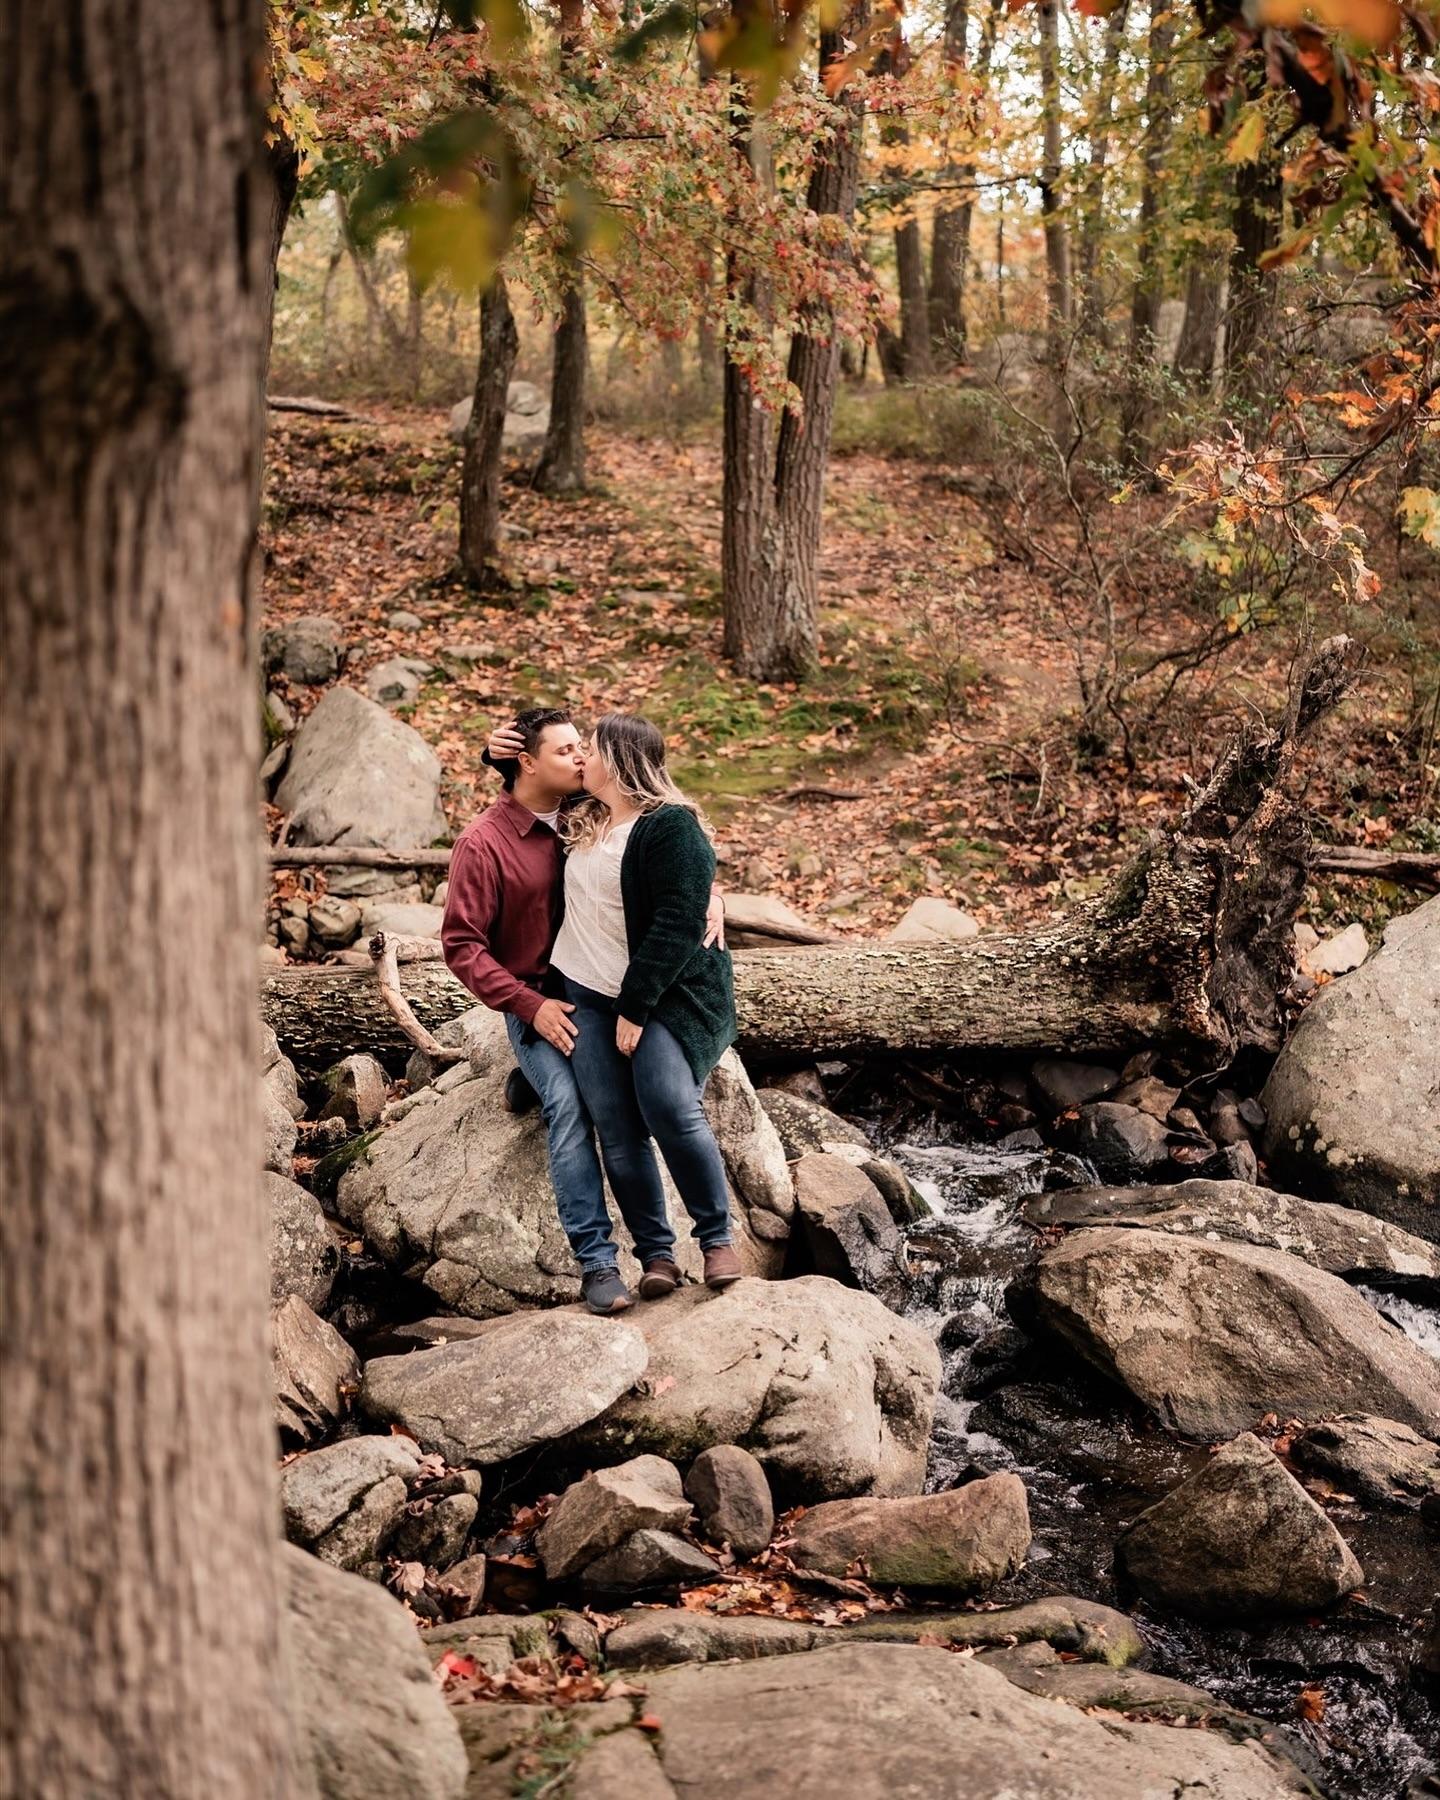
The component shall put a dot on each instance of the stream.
(1091, 1460)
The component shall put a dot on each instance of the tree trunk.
(950, 237)
(138, 1521)
(1195, 352)
(770, 550)
(1190, 947)
(1149, 281)
(561, 469)
(914, 306)
(1092, 297)
(1057, 242)
(484, 436)
(1255, 221)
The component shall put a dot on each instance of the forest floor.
(944, 709)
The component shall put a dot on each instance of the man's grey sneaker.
(662, 1276)
(604, 1292)
(520, 1097)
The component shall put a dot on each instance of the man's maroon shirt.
(503, 907)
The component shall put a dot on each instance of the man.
(502, 913)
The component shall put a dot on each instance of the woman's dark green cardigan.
(665, 879)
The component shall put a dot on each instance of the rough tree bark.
(561, 469)
(484, 436)
(950, 236)
(1190, 946)
(1057, 240)
(1092, 203)
(1200, 328)
(1256, 221)
(137, 1508)
(905, 355)
(771, 542)
(1149, 280)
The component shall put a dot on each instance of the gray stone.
(650, 1559)
(1149, 1094)
(357, 1086)
(455, 1034)
(396, 681)
(278, 1073)
(1212, 1335)
(848, 1228)
(601, 1511)
(496, 1640)
(732, 1498)
(335, 922)
(831, 1391)
(358, 776)
(1337, 954)
(621, 1765)
(654, 1637)
(931, 920)
(1039, 1669)
(342, 1501)
(805, 1126)
(278, 716)
(294, 935)
(401, 620)
(1121, 1141)
(307, 651)
(413, 918)
(962, 1542)
(527, 417)
(1377, 1460)
(1335, 1238)
(464, 1582)
(532, 1379)
(436, 1535)
(755, 1158)
(280, 1133)
(873, 1721)
(303, 1255)
(1354, 1097)
(458, 1195)
(315, 1371)
(474, 653)
(1062, 1084)
(1241, 1539)
(370, 1721)
(273, 762)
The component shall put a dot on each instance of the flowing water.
(1092, 1461)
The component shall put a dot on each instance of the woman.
(655, 1008)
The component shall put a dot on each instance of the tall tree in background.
(1149, 290)
(1057, 240)
(950, 236)
(1091, 306)
(905, 356)
(484, 436)
(1255, 222)
(770, 533)
(137, 1510)
(561, 469)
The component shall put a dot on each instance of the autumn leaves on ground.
(932, 753)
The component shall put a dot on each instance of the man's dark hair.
(532, 725)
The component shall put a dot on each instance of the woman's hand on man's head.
(505, 743)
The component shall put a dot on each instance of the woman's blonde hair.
(633, 752)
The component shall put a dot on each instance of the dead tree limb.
(313, 408)
(1406, 868)
(385, 952)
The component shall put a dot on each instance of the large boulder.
(527, 417)
(650, 1559)
(1377, 1460)
(303, 1255)
(281, 1134)
(1210, 1335)
(848, 1228)
(732, 1497)
(931, 920)
(1354, 1097)
(873, 1721)
(307, 651)
(279, 1074)
(754, 1155)
(1241, 1539)
(962, 1541)
(359, 776)
(1336, 1238)
(528, 1380)
(458, 1194)
(830, 1390)
(370, 1721)
(343, 1501)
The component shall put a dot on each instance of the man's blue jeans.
(632, 1099)
(574, 1166)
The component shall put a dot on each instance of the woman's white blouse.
(591, 947)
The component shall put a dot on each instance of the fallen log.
(1190, 947)
(313, 408)
(352, 856)
(1406, 868)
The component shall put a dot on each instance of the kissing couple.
(581, 905)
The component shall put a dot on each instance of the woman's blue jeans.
(652, 1095)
